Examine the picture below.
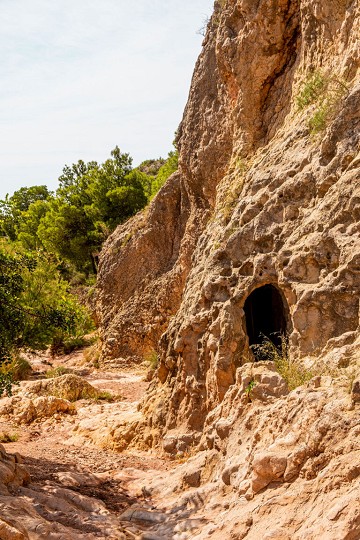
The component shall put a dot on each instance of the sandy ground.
(50, 458)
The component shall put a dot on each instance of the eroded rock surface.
(271, 466)
(46, 398)
(279, 206)
(263, 214)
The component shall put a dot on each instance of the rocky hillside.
(267, 194)
(257, 233)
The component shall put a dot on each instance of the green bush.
(6, 382)
(18, 368)
(8, 437)
(325, 93)
(57, 372)
(37, 307)
(65, 344)
(165, 171)
(311, 90)
(293, 371)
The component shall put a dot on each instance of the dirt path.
(99, 474)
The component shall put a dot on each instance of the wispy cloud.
(77, 78)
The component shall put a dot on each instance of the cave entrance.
(265, 315)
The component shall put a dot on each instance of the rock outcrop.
(267, 196)
(45, 398)
(272, 465)
(258, 232)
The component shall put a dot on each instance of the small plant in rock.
(241, 166)
(8, 437)
(127, 239)
(250, 387)
(219, 7)
(311, 90)
(57, 372)
(6, 382)
(205, 24)
(293, 371)
(152, 359)
(319, 119)
(108, 396)
(229, 206)
(324, 92)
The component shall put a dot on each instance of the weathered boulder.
(25, 410)
(45, 398)
(12, 471)
(70, 387)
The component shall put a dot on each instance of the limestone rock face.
(281, 468)
(263, 214)
(258, 232)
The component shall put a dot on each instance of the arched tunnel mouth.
(265, 315)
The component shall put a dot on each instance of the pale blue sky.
(79, 77)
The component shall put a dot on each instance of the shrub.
(6, 382)
(12, 371)
(108, 396)
(293, 371)
(152, 359)
(57, 372)
(18, 368)
(325, 92)
(8, 437)
(65, 344)
(320, 118)
(37, 306)
(311, 90)
(249, 388)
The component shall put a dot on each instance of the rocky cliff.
(257, 233)
(267, 193)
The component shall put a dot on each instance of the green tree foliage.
(92, 199)
(28, 226)
(11, 287)
(35, 304)
(68, 231)
(166, 170)
(115, 190)
(12, 208)
(150, 169)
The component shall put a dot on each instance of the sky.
(79, 77)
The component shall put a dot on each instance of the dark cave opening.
(265, 315)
